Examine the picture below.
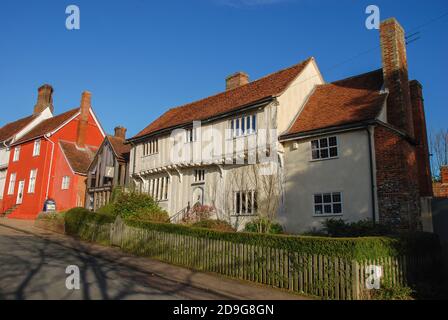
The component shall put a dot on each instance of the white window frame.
(248, 194)
(332, 203)
(199, 175)
(36, 149)
(238, 125)
(65, 183)
(32, 181)
(12, 183)
(327, 148)
(191, 135)
(151, 147)
(158, 188)
(16, 156)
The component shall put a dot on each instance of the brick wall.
(421, 137)
(397, 183)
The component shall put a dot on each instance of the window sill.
(326, 215)
(243, 215)
(317, 160)
(150, 155)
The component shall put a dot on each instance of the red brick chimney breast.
(86, 100)
(236, 80)
(120, 132)
(396, 79)
(44, 99)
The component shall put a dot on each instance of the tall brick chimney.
(86, 100)
(237, 79)
(44, 99)
(421, 139)
(120, 132)
(395, 72)
(444, 174)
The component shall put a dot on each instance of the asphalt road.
(34, 268)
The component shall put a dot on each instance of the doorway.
(20, 192)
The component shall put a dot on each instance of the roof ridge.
(306, 61)
(355, 76)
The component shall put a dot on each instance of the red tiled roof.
(343, 102)
(231, 100)
(79, 159)
(48, 126)
(10, 129)
(121, 150)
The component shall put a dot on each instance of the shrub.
(107, 209)
(389, 292)
(76, 218)
(262, 225)
(130, 204)
(52, 216)
(156, 215)
(198, 213)
(219, 225)
(363, 228)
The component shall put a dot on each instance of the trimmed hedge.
(358, 249)
(88, 225)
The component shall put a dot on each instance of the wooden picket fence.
(317, 275)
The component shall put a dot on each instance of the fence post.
(355, 281)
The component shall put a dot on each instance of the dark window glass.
(336, 197)
(324, 153)
(337, 208)
(318, 209)
(323, 143)
(327, 208)
(238, 201)
(327, 198)
(315, 154)
(315, 144)
(318, 198)
(332, 141)
(333, 152)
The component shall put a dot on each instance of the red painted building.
(51, 161)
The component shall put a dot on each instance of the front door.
(20, 192)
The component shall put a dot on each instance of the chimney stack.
(83, 123)
(395, 73)
(236, 80)
(44, 99)
(120, 132)
(444, 174)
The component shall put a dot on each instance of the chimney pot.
(86, 100)
(120, 132)
(236, 80)
(44, 99)
(396, 78)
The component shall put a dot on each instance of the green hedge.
(351, 248)
(88, 225)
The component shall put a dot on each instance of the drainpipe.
(51, 164)
(372, 174)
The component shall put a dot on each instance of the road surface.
(34, 268)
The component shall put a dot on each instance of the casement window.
(12, 183)
(245, 203)
(157, 188)
(243, 126)
(328, 203)
(325, 148)
(191, 135)
(36, 150)
(16, 156)
(65, 183)
(151, 147)
(32, 182)
(199, 175)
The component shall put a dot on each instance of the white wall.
(349, 174)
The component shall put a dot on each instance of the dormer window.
(243, 126)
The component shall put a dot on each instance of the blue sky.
(140, 58)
